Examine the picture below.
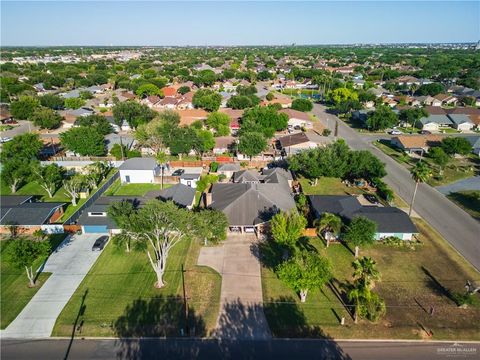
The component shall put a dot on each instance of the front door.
(127, 178)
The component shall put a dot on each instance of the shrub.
(214, 166)
(326, 132)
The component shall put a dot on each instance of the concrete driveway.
(69, 264)
(241, 311)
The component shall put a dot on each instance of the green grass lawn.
(121, 299)
(118, 188)
(457, 168)
(468, 201)
(405, 285)
(328, 186)
(15, 292)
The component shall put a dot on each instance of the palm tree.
(420, 173)
(329, 222)
(365, 270)
(357, 294)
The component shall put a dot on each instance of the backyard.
(120, 189)
(118, 296)
(15, 292)
(413, 281)
(457, 168)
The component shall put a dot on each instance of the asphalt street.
(215, 349)
(454, 224)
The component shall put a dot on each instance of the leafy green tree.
(74, 103)
(205, 78)
(15, 171)
(365, 270)
(207, 99)
(302, 105)
(411, 116)
(183, 141)
(381, 119)
(252, 144)
(431, 89)
(246, 90)
(22, 253)
(361, 231)
(120, 212)
(52, 101)
(49, 177)
(118, 151)
(132, 112)
(148, 90)
(24, 107)
(270, 96)
(287, 228)
(211, 225)
(264, 119)
(85, 95)
(182, 90)
(329, 222)
(73, 186)
(85, 141)
(219, 122)
(342, 94)
(420, 174)
(205, 141)
(46, 118)
(439, 156)
(243, 101)
(456, 145)
(98, 122)
(26, 146)
(305, 272)
(364, 165)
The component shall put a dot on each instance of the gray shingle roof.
(246, 176)
(388, 219)
(36, 213)
(12, 200)
(139, 164)
(251, 204)
(180, 194)
(459, 118)
(186, 176)
(229, 167)
(439, 119)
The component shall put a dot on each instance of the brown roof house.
(297, 119)
(293, 143)
(416, 143)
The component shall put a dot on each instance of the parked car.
(395, 132)
(100, 243)
(425, 132)
(372, 199)
(178, 172)
(5, 139)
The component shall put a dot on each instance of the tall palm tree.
(365, 270)
(357, 294)
(420, 173)
(329, 222)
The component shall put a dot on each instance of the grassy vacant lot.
(457, 168)
(15, 293)
(119, 297)
(328, 186)
(468, 201)
(413, 281)
(118, 188)
(33, 188)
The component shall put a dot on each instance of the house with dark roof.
(228, 169)
(294, 143)
(180, 194)
(434, 122)
(139, 170)
(27, 215)
(390, 221)
(461, 122)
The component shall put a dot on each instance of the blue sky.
(236, 23)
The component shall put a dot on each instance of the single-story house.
(415, 143)
(28, 215)
(180, 194)
(228, 169)
(445, 99)
(390, 221)
(273, 176)
(249, 206)
(297, 118)
(434, 122)
(189, 116)
(223, 144)
(189, 180)
(235, 116)
(283, 101)
(461, 122)
(95, 219)
(293, 143)
(471, 112)
(475, 142)
(139, 170)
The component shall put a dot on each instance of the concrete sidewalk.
(241, 311)
(68, 264)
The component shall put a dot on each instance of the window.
(97, 214)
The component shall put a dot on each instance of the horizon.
(236, 24)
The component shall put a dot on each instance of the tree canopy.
(85, 141)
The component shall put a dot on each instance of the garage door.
(89, 229)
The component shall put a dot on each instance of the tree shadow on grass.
(434, 284)
(269, 253)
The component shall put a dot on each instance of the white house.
(461, 122)
(190, 180)
(139, 170)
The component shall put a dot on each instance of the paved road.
(472, 183)
(68, 264)
(456, 226)
(22, 127)
(213, 349)
(241, 312)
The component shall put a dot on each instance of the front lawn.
(15, 293)
(412, 282)
(118, 189)
(328, 186)
(119, 297)
(468, 201)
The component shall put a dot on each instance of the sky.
(181, 23)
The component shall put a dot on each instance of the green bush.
(205, 181)
(214, 166)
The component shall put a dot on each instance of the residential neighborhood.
(267, 195)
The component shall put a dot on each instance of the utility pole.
(185, 302)
(121, 148)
